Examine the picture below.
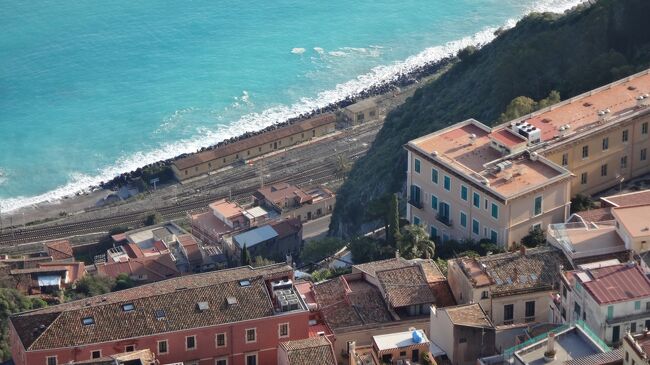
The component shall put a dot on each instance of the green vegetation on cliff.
(569, 53)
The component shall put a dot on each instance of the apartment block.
(610, 297)
(236, 317)
(512, 288)
(473, 181)
(463, 185)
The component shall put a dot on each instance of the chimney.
(522, 250)
(550, 345)
(352, 348)
(397, 253)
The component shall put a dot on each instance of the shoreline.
(388, 77)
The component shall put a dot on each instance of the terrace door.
(616, 333)
(415, 357)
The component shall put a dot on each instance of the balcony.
(444, 220)
(416, 203)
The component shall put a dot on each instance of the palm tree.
(415, 243)
(343, 166)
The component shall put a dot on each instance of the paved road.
(316, 228)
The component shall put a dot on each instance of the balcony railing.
(444, 220)
(415, 203)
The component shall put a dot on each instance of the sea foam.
(255, 121)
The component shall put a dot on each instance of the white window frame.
(496, 234)
(195, 344)
(415, 217)
(93, 351)
(158, 347)
(254, 329)
(216, 341)
(257, 358)
(216, 361)
(416, 162)
(479, 200)
(538, 224)
(492, 205)
(460, 219)
(132, 345)
(280, 330)
(47, 359)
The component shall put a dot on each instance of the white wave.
(245, 97)
(319, 50)
(298, 50)
(337, 53)
(257, 121)
(3, 176)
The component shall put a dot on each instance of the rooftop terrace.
(467, 148)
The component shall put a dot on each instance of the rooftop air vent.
(434, 153)
(472, 139)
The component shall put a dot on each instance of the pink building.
(229, 317)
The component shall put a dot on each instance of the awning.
(49, 280)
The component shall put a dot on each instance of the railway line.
(304, 166)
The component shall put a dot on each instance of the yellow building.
(473, 181)
(201, 163)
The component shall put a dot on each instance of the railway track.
(318, 174)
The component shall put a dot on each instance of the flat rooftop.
(581, 112)
(399, 340)
(226, 208)
(466, 147)
(627, 199)
(569, 345)
(580, 240)
(634, 219)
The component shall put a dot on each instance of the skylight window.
(128, 307)
(160, 314)
(87, 321)
(245, 283)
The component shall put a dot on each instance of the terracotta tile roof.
(431, 270)
(471, 315)
(628, 199)
(350, 303)
(153, 268)
(282, 192)
(59, 250)
(287, 227)
(405, 286)
(191, 247)
(226, 208)
(616, 283)
(310, 351)
(596, 215)
(513, 272)
(643, 342)
(442, 293)
(270, 272)
(254, 141)
(370, 268)
(112, 323)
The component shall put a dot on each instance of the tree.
(581, 202)
(12, 301)
(415, 243)
(90, 286)
(343, 166)
(152, 218)
(245, 256)
(123, 281)
(261, 261)
(392, 234)
(534, 238)
(317, 250)
(366, 249)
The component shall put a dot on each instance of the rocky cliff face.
(571, 53)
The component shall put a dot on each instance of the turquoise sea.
(89, 89)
